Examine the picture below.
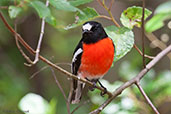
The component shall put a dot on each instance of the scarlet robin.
(92, 57)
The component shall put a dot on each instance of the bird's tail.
(75, 91)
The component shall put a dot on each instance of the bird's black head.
(92, 32)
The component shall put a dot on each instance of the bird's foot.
(102, 93)
(91, 88)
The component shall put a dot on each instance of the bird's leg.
(105, 90)
(91, 88)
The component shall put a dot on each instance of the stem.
(142, 33)
(147, 98)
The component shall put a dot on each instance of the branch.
(40, 38)
(105, 17)
(111, 3)
(3, 7)
(146, 98)
(109, 11)
(139, 51)
(29, 49)
(133, 80)
(82, 104)
(20, 49)
(142, 32)
(45, 67)
(158, 43)
(61, 89)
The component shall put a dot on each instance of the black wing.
(76, 86)
(77, 58)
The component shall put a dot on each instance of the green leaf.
(123, 39)
(132, 16)
(156, 22)
(63, 5)
(163, 8)
(41, 9)
(14, 11)
(51, 20)
(162, 13)
(79, 2)
(87, 15)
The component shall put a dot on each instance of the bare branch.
(105, 17)
(146, 98)
(142, 33)
(61, 89)
(20, 49)
(43, 68)
(85, 102)
(133, 80)
(158, 43)
(139, 51)
(40, 38)
(109, 12)
(29, 49)
(111, 3)
(3, 7)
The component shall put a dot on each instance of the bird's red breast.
(97, 58)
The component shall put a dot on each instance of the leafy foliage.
(123, 39)
(41, 9)
(132, 16)
(162, 13)
(87, 15)
(63, 5)
(79, 2)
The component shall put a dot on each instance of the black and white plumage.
(77, 86)
(93, 32)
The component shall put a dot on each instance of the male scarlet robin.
(92, 58)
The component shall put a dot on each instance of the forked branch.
(133, 80)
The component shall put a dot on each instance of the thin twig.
(105, 17)
(15, 2)
(20, 49)
(41, 37)
(43, 68)
(146, 98)
(142, 33)
(3, 7)
(85, 102)
(111, 3)
(29, 49)
(139, 51)
(133, 80)
(158, 43)
(109, 12)
(61, 89)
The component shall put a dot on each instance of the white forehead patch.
(87, 26)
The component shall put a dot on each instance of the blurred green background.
(58, 46)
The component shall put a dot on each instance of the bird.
(92, 58)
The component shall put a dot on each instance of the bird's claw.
(102, 93)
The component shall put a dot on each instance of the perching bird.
(92, 58)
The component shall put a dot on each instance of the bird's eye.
(93, 28)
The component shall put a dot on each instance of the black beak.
(86, 31)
